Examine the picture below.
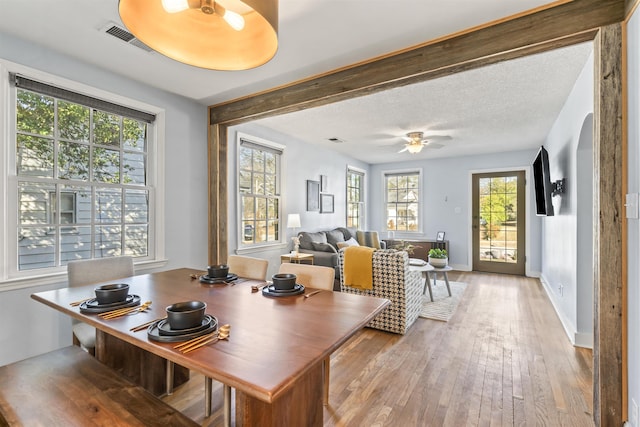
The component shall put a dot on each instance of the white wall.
(30, 328)
(447, 201)
(633, 231)
(559, 233)
(301, 162)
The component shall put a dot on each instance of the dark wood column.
(608, 185)
(218, 193)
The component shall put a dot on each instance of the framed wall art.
(313, 195)
(324, 184)
(326, 203)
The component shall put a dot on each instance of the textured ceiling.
(507, 106)
(502, 107)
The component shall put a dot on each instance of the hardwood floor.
(502, 360)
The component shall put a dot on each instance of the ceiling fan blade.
(404, 149)
(434, 145)
(438, 138)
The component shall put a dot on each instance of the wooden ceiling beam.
(546, 29)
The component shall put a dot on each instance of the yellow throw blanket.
(358, 267)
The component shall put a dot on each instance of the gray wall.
(633, 314)
(560, 233)
(446, 194)
(31, 328)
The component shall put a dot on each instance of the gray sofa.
(324, 246)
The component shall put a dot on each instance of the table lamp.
(293, 221)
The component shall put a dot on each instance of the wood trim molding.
(629, 7)
(608, 274)
(561, 25)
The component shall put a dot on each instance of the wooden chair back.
(86, 272)
(249, 267)
(313, 276)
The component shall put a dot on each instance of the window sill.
(61, 277)
(261, 248)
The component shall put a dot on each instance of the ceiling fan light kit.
(414, 148)
(218, 35)
(416, 141)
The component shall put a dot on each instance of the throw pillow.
(307, 239)
(335, 236)
(350, 242)
(323, 247)
(368, 238)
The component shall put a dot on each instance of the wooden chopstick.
(145, 325)
(124, 311)
(195, 340)
(312, 293)
(76, 303)
(198, 345)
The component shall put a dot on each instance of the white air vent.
(120, 33)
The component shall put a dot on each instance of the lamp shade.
(205, 33)
(293, 221)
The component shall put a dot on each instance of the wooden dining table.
(273, 357)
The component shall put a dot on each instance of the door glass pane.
(497, 219)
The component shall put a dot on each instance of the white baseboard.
(583, 340)
(577, 339)
(460, 267)
(568, 327)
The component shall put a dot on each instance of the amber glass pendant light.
(218, 35)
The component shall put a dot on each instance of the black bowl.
(112, 293)
(219, 271)
(185, 315)
(284, 281)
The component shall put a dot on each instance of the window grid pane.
(402, 201)
(355, 203)
(64, 151)
(259, 186)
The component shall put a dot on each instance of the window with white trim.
(402, 196)
(259, 174)
(355, 198)
(79, 178)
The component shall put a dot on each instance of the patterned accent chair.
(392, 280)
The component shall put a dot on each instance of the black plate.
(93, 303)
(165, 329)
(217, 280)
(92, 306)
(153, 333)
(271, 291)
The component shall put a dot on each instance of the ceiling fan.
(416, 141)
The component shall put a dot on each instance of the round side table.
(425, 270)
(443, 271)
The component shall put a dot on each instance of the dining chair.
(318, 277)
(248, 267)
(86, 272)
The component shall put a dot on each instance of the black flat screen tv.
(542, 183)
